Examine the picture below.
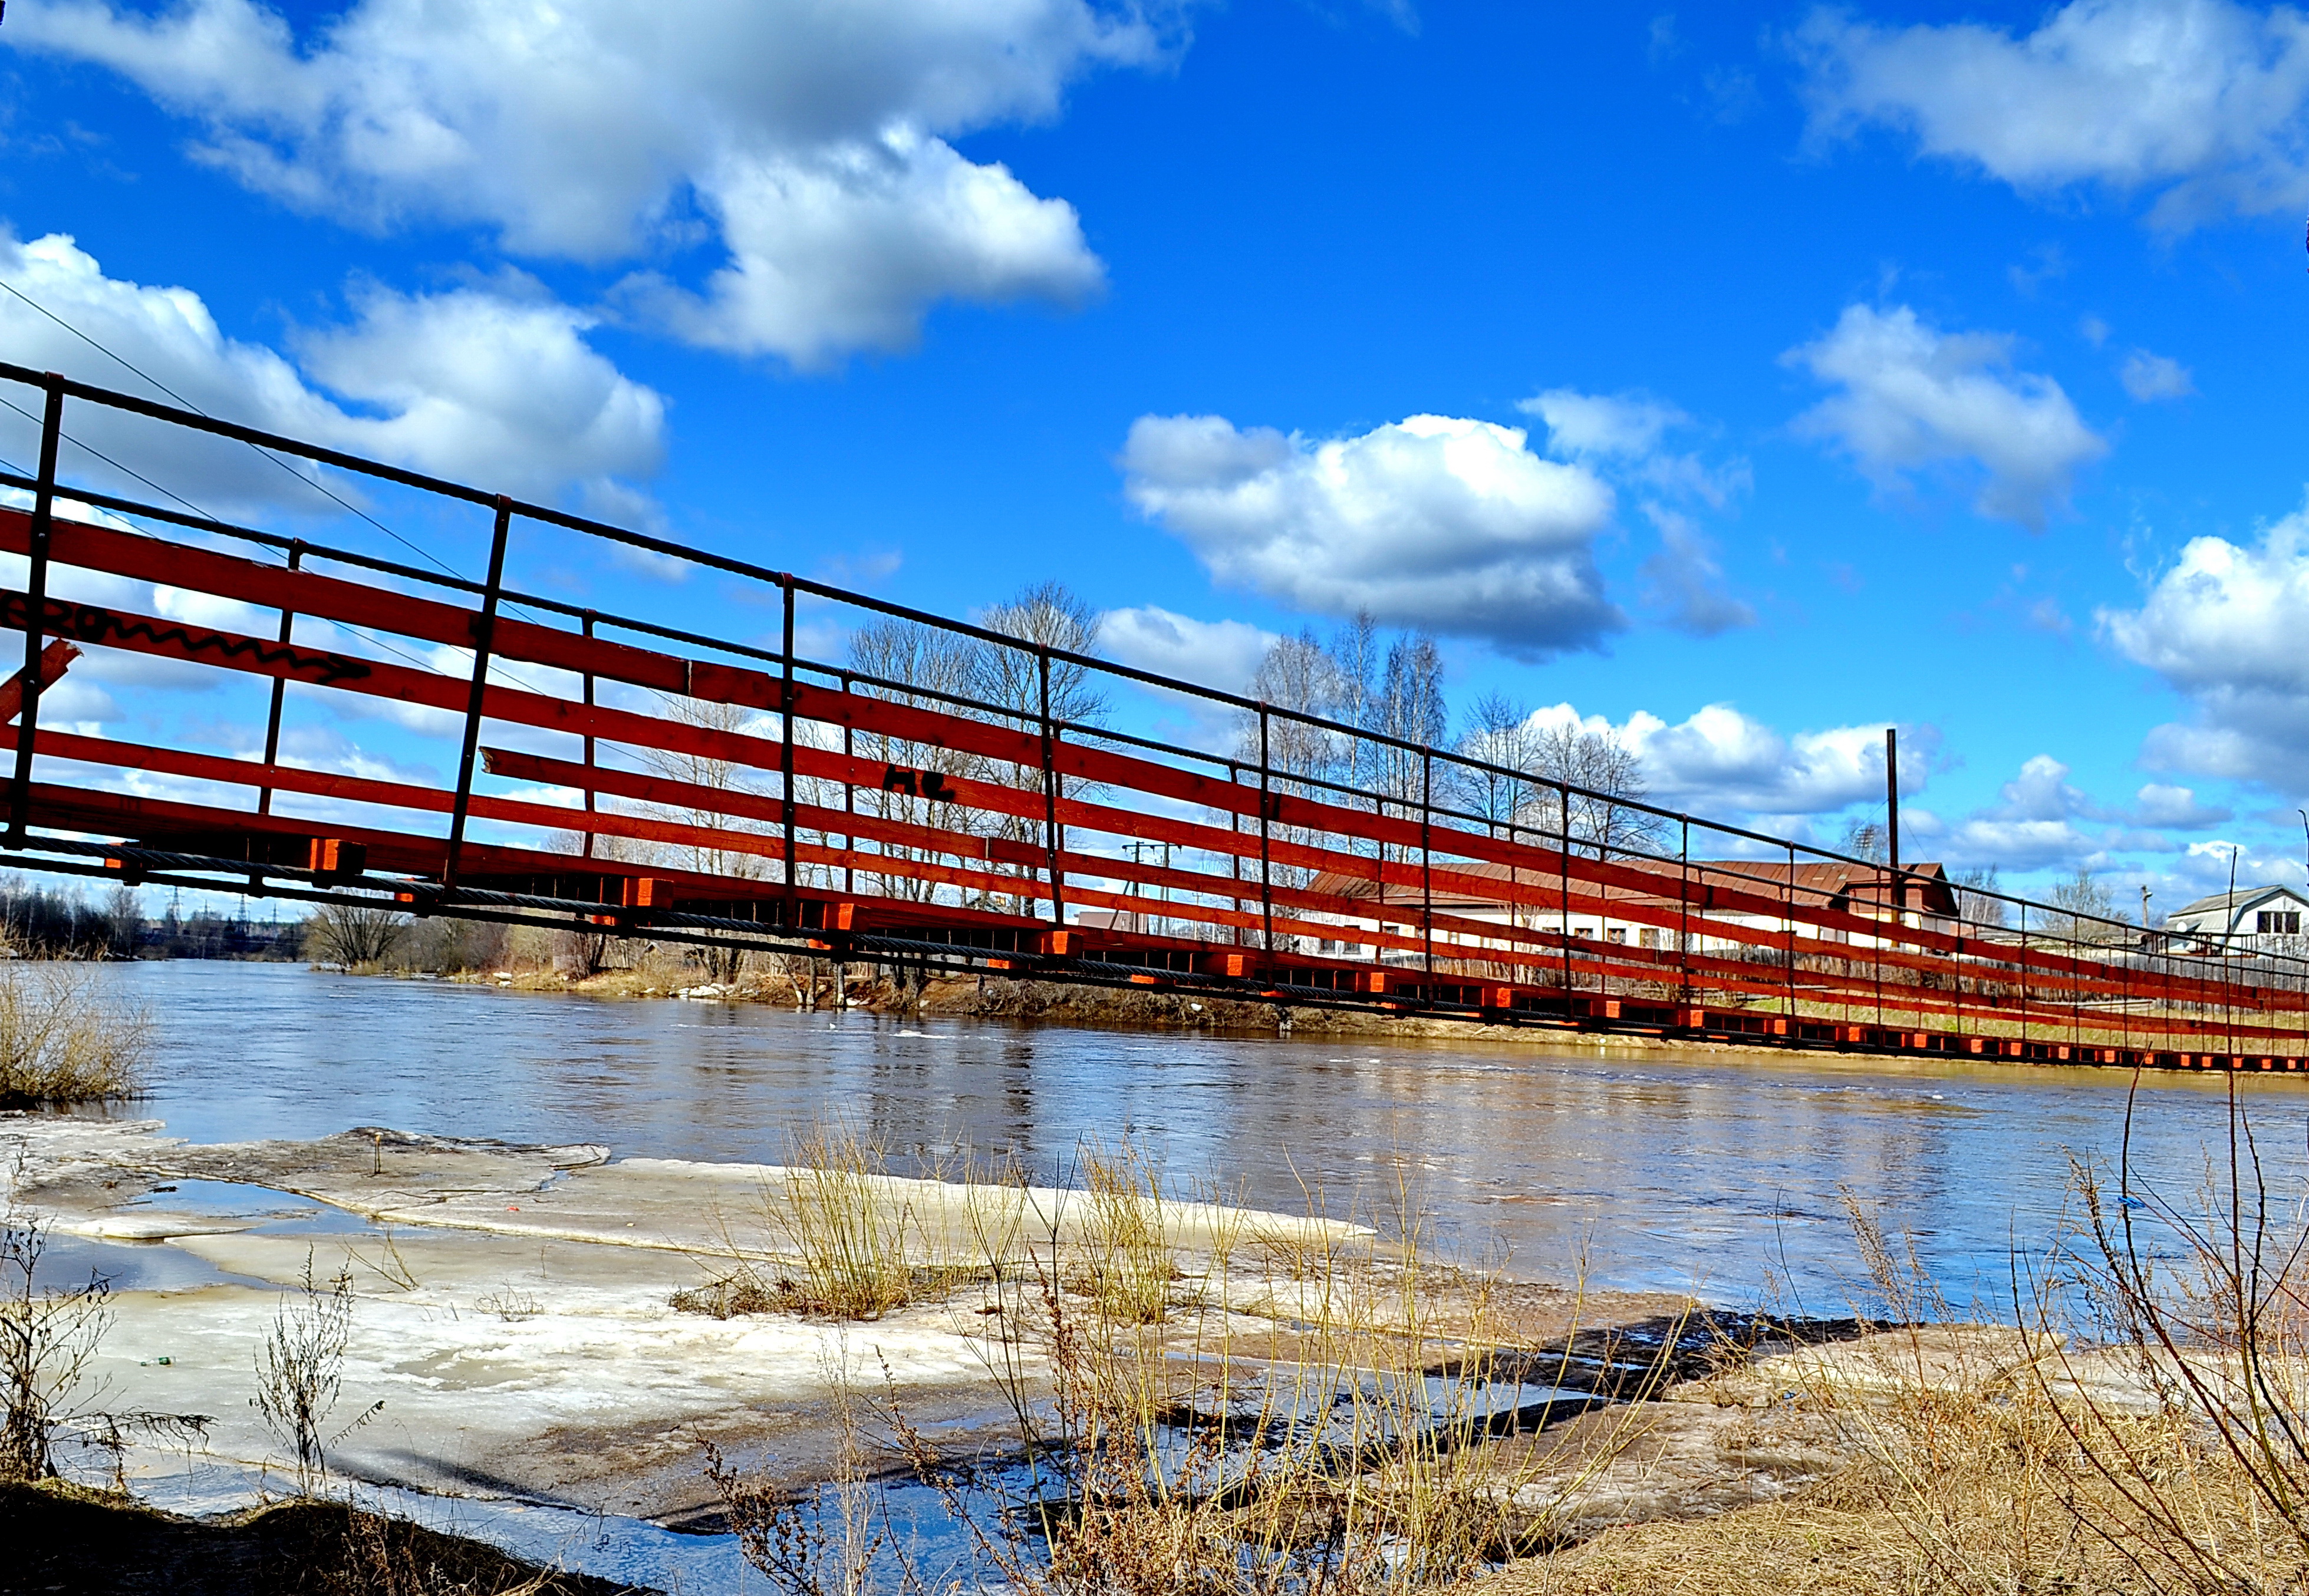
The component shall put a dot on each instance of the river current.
(1709, 1171)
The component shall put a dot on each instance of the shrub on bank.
(63, 1039)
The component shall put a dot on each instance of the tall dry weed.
(65, 1039)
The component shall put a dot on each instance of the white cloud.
(2224, 627)
(1684, 581)
(2158, 804)
(843, 250)
(1622, 435)
(1722, 762)
(1912, 398)
(1433, 522)
(492, 383)
(2148, 378)
(1221, 655)
(811, 136)
(2199, 101)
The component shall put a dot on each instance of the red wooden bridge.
(619, 773)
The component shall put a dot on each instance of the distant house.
(2252, 918)
(1928, 901)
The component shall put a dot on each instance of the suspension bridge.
(620, 773)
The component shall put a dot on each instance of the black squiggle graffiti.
(89, 623)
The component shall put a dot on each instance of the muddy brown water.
(1713, 1171)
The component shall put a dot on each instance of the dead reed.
(63, 1039)
(1324, 1411)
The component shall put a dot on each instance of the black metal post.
(589, 741)
(36, 607)
(279, 689)
(1051, 842)
(1563, 885)
(484, 636)
(1266, 811)
(1788, 910)
(785, 754)
(1427, 859)
(849, 797)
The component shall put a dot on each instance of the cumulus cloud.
(1911, 398)
(1451, 524)
(2223, 626)
(1622, 438)
(812, 138)
(2198, 101)
(1685, 582)
(2148, 378)
(493, 384)
(1221, 655)
(1722, 762)
(1624, 435)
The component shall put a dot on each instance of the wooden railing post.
(36, 607)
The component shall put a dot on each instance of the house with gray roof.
(2250, 919)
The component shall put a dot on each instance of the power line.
(318, 487)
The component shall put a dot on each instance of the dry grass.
(65, 1039)
(1336, 1416)
(2145, 1433)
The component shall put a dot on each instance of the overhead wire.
(318, 487)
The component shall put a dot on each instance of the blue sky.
(1785, 372)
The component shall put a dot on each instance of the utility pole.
(1900, 895)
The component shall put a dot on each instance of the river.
(1714, 1172)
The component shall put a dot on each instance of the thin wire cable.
(318, 487)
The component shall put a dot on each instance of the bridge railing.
(943, 795)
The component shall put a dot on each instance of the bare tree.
(1501, 737)
(1045, 615)
(1865, 840)
(713, 774)
(1296, 675)
(925, 667)
(2084, 906)
(1975, 905)
(1355, 660)
(352, 936)
(1603, 777)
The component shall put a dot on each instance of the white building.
(2250, 919)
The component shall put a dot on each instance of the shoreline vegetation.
(1200, 1398)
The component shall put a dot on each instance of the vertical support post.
(848, 793)
(484, 636)
(1896, 882)
(1563, 890)
(1051, 842)
(1265, 811)
(785, 752)
(1788, 910)
(589, 742)
(2024, 978)
(1427, 860)
(1684, 913)
(279, 689)
(36, 609)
